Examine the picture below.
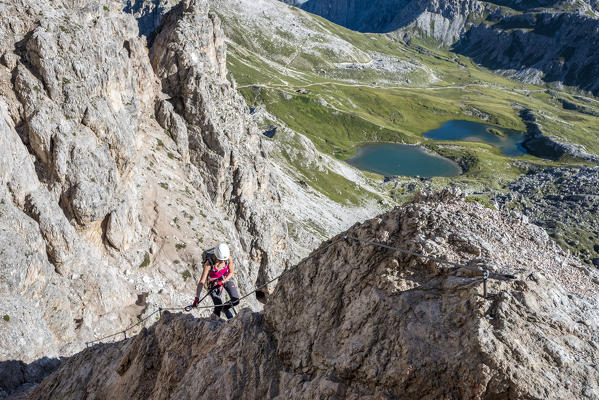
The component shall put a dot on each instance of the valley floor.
(342, 89)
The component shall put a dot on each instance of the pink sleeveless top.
(216, 274)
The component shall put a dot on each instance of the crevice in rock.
(21, 126)
(127, 46)
(151, 35)
(21, 51)
(31, 211)
(65, 206)
(21, 129)
(104, 228)
(148, 14)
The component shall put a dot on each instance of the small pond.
(509, 141)
(402, 159)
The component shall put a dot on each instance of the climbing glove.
(195, 302)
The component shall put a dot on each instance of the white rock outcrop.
(81, 178)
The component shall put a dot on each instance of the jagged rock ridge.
(443, 20)
(360, 321)
(539, 47)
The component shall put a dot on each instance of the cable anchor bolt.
(485, 278)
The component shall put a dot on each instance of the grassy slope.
(344, 109)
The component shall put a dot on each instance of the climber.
(219, 271)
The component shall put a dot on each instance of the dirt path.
(434, 88)
(273, 86)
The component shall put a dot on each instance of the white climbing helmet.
(222, 252)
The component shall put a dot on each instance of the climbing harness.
(482, 269)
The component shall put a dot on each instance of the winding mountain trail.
(336, 83)
(413, 88)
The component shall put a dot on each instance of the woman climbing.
(219, 271)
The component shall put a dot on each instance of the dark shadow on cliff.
(536, 143)
(561, 46)
(385, 16)
(525, 5)
(16, 376)
(150, 15)
(367, 16)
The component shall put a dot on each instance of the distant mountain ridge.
(382, 16)
(552, 47)
(540, 40)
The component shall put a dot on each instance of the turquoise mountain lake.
(509, 142)
(402, 159)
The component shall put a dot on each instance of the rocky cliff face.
(355, 321)
(539, 47)
(120, 162)
(70, 117)
(220, 135)
(119, 165)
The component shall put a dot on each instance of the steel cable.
(484, 272)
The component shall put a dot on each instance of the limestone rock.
(420, 323)
(99, 206)
(119, 165)
(29, 290)
(224, 143)
(81, 121)
(20, 316)
(175, 125)
(355, 320)
(123, 225)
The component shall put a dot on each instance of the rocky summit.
(354, 320)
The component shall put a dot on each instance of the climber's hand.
(195, 302)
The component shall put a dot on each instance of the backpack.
(208, 255)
